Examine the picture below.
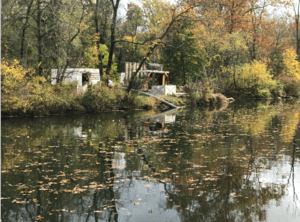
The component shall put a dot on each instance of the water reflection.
(234, 164)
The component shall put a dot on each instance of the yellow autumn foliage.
(292, 66)
(19, 89)
(255, 75)
(255, 79)
(130, 38)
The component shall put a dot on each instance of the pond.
(238, 163)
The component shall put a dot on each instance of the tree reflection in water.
(221, 165)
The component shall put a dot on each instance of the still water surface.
(239, 163)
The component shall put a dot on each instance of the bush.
(20, 90)
(101, 98)
(201, 94)
(194, 91)
(290, 85)
(134, 101)
(220, 98)
(252, 80)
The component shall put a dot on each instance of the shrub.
(252, 80)
(194, 91)
(20, 90)
(202, 94)
(101, 98)
(291, 86)
(220, 98)
(147, 102)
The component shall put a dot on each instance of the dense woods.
(248, 48)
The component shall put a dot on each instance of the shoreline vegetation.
(25, 94)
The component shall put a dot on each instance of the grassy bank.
(24, 93)
(50, 100)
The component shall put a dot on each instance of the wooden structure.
(154, 77)
(157, 80)
(130, 66)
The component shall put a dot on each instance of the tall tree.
(182, 56)
(69, 23)
(115, 5)
(96, 9)
(297, 17)
(162, 17)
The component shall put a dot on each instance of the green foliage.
(91, 60)
(275, 63)
(252, 80)
(185, 61)
(101, 98)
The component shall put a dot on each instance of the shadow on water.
(237, 163)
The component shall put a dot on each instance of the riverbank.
(62, 100)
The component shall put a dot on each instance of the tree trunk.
(297, 30)
(151, 49)
(24, 31)
(234, 82)
(112, 37)
(39, 38)
(100, 65)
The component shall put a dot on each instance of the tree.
(296, 17)
(95, 7)
(292, 65)
(182, 56)
(69, 20)
(133, 29)
(115, 6)
(162, 17)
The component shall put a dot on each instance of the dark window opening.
(155, 79)
(155, 127)
(85, 78)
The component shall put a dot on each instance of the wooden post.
(147, 80)
(168, 78)
(163, 80)
(153, 79)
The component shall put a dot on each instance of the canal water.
(237, 163)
